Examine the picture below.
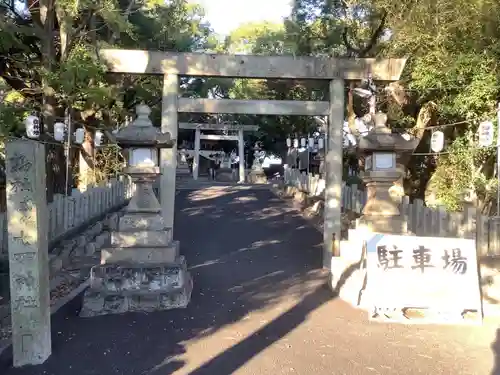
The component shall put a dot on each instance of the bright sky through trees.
(226, 15)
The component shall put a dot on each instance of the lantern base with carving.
(142, 270)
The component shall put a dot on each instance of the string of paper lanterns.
(306, 144)
(310, 142)
(33, 131)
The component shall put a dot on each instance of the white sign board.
(433, 273)
(486, 132)
(437, 141)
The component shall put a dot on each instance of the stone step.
(160, 254)
(97, 303)
(144, 238)
(138, 279)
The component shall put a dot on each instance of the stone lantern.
(142, 142)
(381, 148)
(142, 270)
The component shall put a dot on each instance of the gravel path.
(260, 306)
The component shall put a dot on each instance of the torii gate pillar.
(196, 159)
(168, 156)
(241, 155)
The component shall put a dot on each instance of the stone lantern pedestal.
(142, 270)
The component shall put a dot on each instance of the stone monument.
(28, 251)
(142, 270)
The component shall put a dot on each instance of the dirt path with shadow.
(260, 306)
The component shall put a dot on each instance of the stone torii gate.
(197, 127)
(171, 65)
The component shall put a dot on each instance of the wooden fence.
(70, 212)
(421, 220)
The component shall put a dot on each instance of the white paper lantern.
(302, 142)
(79, 136)
(288, 142)
(59, 129)
(437, 141)
(98, 138)
(311, 142)
(321, 143)
(32, 124)
(296, 143)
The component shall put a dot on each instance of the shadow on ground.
(246, 250)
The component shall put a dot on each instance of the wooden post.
(84, 169)
(168, 156)
(333, 172)
(28, 252)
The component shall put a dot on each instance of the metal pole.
(498, 160)
(68, 153)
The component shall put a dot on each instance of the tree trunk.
(47, 18)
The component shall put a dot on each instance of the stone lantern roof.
(141, 132)
(382, 139)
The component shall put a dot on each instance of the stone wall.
(67, 254)
(73, 254)
(86, 243)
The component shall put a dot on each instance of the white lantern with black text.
(98, 138)
(321, 143)
(486, 133)
(437, 141)
(311, 142)
(302, 142)
(32, 124)
(79, 136)
(59, 129)
(296, 143)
